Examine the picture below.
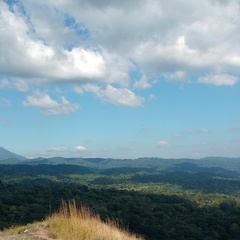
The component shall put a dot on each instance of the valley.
(154, 198)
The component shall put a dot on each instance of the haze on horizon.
(120, 79)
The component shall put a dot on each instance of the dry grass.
(80, 223)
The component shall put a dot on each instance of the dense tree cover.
(206, 182)
(212, 165)
(156, 216)
(45, 169)
(158, 205)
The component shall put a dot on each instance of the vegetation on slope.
(70, 223)
(154, 216)
(156, 205)
(74, 223)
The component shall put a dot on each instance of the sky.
(120, 79)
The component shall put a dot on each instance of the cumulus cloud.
(118, 68)
(170, 45)
(80, 148)
(219, 80)
(116, 96)
(58, 149)
(4, 83)
(122, 96)
(20, 85)
(49, 106)
(31, 57)
(163, 144)
(51, 151)
(142, 83)
(101, 42)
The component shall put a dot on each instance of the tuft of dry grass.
(81, 223)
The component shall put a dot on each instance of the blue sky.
(120, 79)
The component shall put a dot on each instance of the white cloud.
(58, 149)
(219, 80)
(78, 89)
(81, 148)
(121, 96)
(81, 63)
(174, 46)
(62, 150)
(48, 106)
(20, 85)
(28, 56)
(4, 83)
(101, 42)
(161, 42)
(118, 68)
(39, 99)
(153, 97)
(90, 88)
(142, 83)
(181, 40)
(176, 75)
(163, 144)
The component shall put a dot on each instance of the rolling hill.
(222, 165)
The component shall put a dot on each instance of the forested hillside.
(172, 204)
(153, 197)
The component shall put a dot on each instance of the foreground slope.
(70, 223)
(81, 223)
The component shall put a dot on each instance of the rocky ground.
(37, 232)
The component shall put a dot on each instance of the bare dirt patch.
(36, 232)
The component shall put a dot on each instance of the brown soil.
(36, 232)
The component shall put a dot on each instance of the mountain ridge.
(6, 154)
(151, 163)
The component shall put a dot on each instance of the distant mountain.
(218, 165)
(9, 157)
